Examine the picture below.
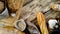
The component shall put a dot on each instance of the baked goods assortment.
(29, 16)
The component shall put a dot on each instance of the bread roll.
(10, 30)
(14, 5)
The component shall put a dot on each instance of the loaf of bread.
(42, 23)
(10, 30)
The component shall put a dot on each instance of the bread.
(14, 5)
(42, 23)
(10, 30)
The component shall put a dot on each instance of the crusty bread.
(14, 5)
(10, 20)
(10, 30)
(42, 23)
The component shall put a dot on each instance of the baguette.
(42, 23)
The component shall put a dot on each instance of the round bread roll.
(1, 6)
(14, 5)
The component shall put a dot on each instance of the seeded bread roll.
(1, 6)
